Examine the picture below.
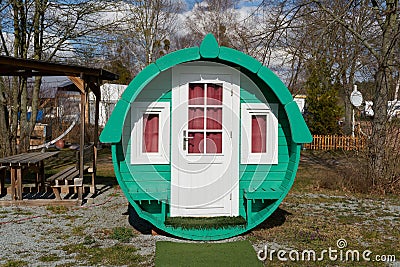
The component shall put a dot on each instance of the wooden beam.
(11, 66)
(78, 83)
(95, 87)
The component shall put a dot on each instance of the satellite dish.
(356, 97)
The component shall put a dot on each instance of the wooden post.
(95, 137)
(2, 180)
(82, 133)
(42, 178)
(82, 139)
(13, 180)
(19, 183)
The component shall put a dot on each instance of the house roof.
(209, 50)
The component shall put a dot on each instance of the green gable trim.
(209, 47)
(178, 57)
(113, 131)
(276, 85)
(139, 82)
(241, 59)
(300, 132)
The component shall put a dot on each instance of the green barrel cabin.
(206, 133)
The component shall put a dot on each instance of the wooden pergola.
(83, 77)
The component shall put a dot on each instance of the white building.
(110, 94)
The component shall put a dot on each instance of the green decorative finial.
(209, 47)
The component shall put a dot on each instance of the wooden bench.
(160, 195)
(263, 193)
(2, 179)
(70, 176)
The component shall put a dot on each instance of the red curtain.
(214, 94)
(214, 143)
(196, 94)
(196, 142)
(214, 118)
(150, 132)
(196, 118)
(258, 133)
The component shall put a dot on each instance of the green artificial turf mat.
(239, 253)
(204, 222)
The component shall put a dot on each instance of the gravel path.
(27, 233)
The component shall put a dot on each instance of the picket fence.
(336, 142)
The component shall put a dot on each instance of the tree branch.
(349, 28)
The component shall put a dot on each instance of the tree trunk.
(378, 156)
(40, 7)
(23, 120)
(5, 145)
(377, 152)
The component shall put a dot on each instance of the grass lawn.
(239, 253)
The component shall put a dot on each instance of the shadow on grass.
(277, 218)
(138, 223)
(143, 226)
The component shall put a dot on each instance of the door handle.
(185, 139)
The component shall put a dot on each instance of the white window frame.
(138, 110)
(271, 154)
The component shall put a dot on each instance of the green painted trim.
(178, 57)
(112, 133)
(241, 59)
(209, 47)
(276, 85)
(298, 127)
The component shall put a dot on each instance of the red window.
(196, 118)
(214, 143)
(196, 94)
(214, 94)
(205, 118)
(150, 133)
(214, 118)
(258, 133)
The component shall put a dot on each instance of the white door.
(204, 143)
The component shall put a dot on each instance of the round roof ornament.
(356, 97)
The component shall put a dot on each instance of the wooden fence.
(336, 142)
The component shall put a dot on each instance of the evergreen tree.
(323, 111)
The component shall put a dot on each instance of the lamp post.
(356, 100)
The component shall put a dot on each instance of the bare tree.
(213, 16)
(358, 36)
(145, 32)
(45, 30)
